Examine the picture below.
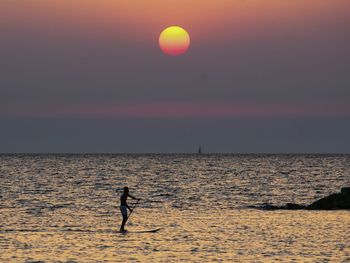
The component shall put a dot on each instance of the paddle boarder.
(124, 206)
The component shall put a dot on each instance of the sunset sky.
(259, 76)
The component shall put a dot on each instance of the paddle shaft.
(133, 208)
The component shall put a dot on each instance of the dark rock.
(289, 206)
(270, 207)
(345, 190)
(292, 206)
(333, 201)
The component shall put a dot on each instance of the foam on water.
(65, 208)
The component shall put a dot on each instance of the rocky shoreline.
(336, 201)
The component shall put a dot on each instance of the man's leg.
(125, 218)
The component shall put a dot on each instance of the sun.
(174, 41)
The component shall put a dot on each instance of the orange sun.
(174, 41)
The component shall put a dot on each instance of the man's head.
(126, 190)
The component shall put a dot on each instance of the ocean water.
(65, 208)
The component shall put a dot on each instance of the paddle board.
(141, 231)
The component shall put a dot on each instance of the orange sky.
(144, 19)
(248, 59)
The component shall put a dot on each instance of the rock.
(335, 201)
(289, 206)
(332, 202)
(292, 206)
(345, 190)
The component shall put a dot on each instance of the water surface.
(64, 208)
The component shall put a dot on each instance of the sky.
(260, 76)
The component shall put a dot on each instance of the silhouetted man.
(124, 207)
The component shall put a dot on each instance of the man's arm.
(132, 197)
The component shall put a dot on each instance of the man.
(124, 206)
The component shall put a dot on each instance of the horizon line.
(174, 153)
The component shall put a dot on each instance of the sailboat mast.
(200, 149)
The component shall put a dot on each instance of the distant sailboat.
(200, 150)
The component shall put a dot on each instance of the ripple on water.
(64, 208)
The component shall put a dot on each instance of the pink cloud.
(177, 110)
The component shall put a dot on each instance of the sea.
(209, 208)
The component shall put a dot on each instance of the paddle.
(132, 210)
(153, 201)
